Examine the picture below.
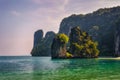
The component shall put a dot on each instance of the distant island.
(101, 29)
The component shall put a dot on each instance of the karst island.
(91, 35)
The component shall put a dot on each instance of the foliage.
(84, 46)
(68, 55)
(58, 47)
(63, 38)
(100, 25)
(77, 46)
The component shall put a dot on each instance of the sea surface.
(44, 68)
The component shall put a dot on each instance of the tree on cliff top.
(63, 38)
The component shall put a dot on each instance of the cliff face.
(74, 38)
(117, 43)
(58, 47)
(38, 37)
(82, 45)
(99, 24)
(42, 45)
(117, 39)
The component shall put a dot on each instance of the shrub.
(69, 55)
(63, 38)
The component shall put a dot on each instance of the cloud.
(50, 3)
(15, 13)
(48, 14)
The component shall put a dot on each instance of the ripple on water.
(34, 68)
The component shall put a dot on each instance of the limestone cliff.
(42, 45)
(38, 35)
(58, 47)
(117, 39)
(99, 24)
(82, 45)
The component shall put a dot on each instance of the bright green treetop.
(63, 38)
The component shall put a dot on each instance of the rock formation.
(99, 24)
(58, 48)
(42, 45)
(104, 19)
(82, 45)
(117, 39)
(38, 37)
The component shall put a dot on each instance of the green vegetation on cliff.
(58, 47)
(81, 45)
(100, 25)
(63, 38)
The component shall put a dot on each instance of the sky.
(19, 19)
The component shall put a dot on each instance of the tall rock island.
(81, 45)
(38, 35)
(42, 45)
(58, 47)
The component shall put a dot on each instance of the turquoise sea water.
(44, 68)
